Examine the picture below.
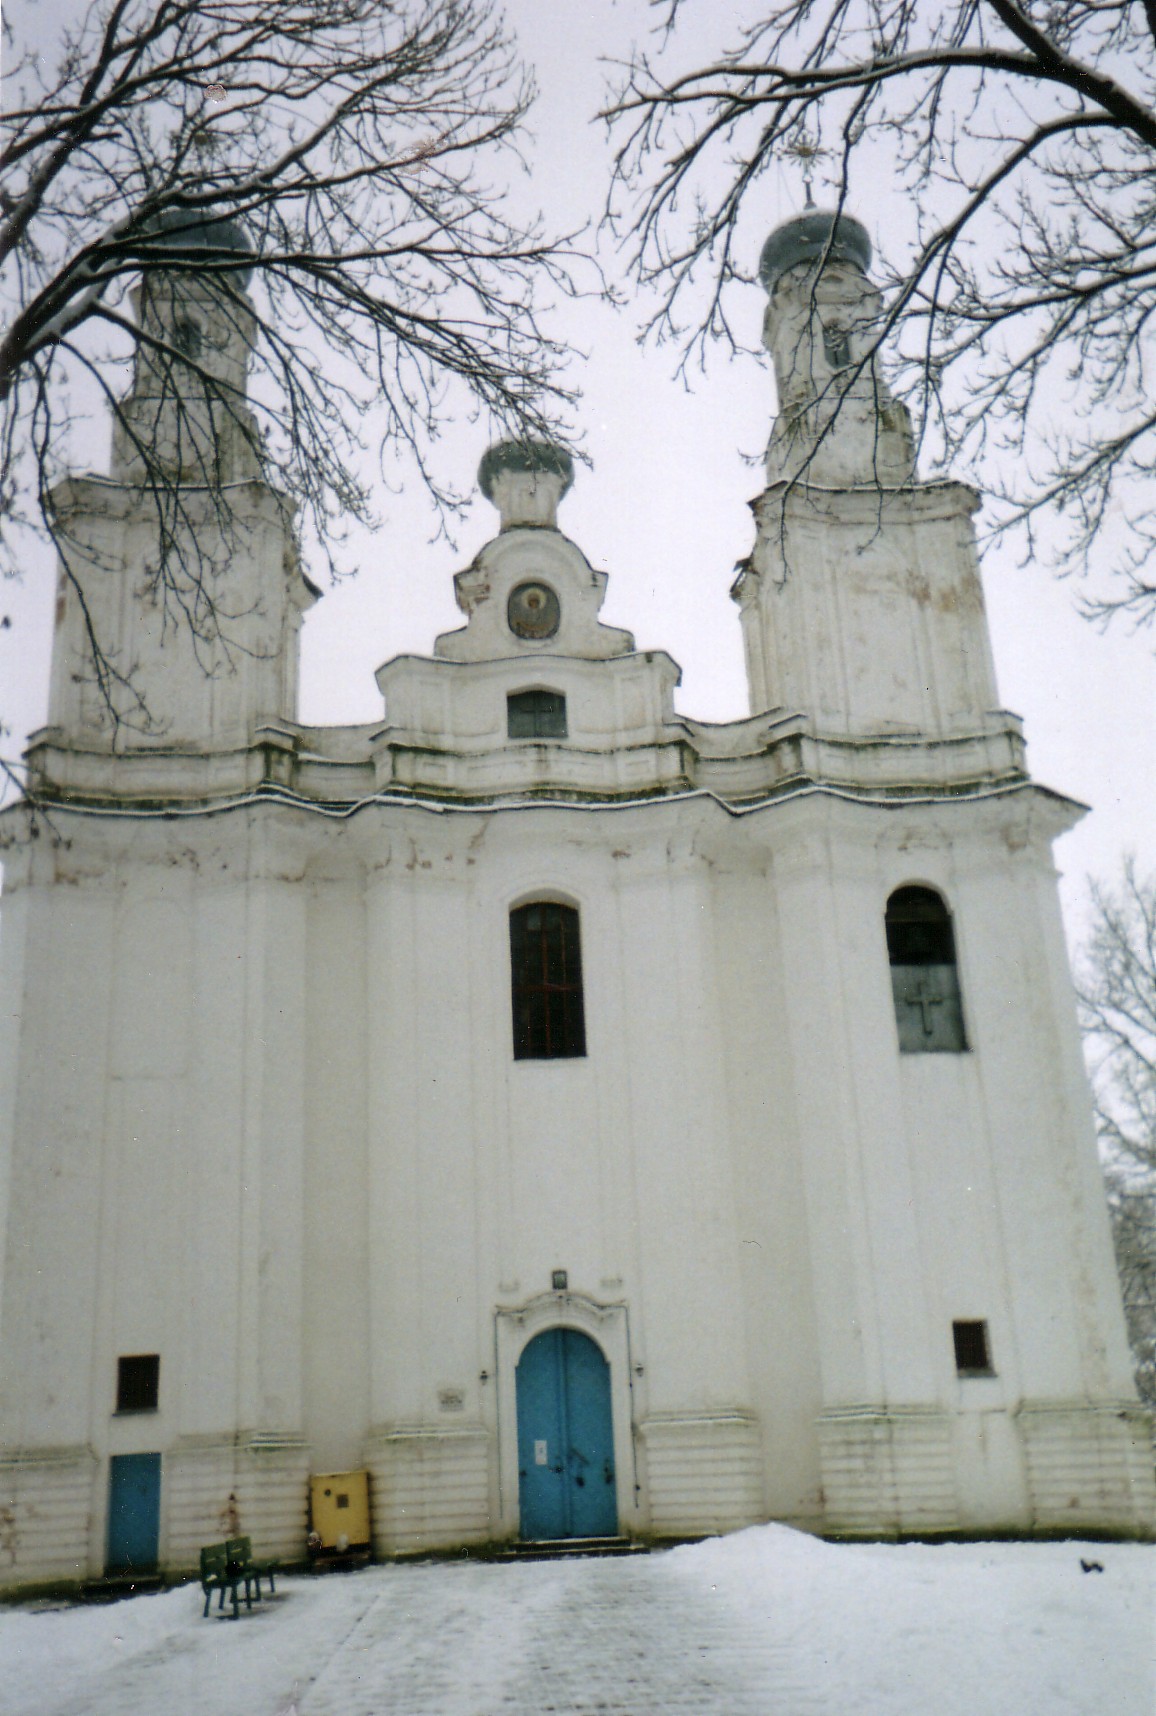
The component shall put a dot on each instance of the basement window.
(924, 975)
(972, 1350)
(138, 1382)
(536, 715)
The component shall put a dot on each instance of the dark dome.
(525, 456)
(192, 231)
(805, 239)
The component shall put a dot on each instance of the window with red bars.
(546, 968)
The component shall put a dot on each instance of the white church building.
(590, 1121)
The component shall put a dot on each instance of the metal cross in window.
(925, 1000)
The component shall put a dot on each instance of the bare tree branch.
(1023, 135)
(1117, 993)
(341, 153)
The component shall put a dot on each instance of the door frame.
(608, 1327)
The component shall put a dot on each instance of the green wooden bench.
(218, 1575)
(239, 1552)
(229, 1566)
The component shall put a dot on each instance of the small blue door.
(134, 1512)
(566, 1484)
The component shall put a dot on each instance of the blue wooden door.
(566, 1482)
(134, 1512)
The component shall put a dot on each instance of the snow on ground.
(768, 1622)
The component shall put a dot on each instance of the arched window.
(187, 337)
(536, 715)
(924, 978)
(836, 346)
(546, 970)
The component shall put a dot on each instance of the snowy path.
(762, 1623)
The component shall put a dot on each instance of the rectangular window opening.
(536, 715)
(972, 1351)
(138, 1382)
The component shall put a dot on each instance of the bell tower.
(187, 413)
(861, 602)
(180, 595)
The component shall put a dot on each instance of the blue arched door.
(566, 1483)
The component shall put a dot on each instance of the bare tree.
(1023, 135)
(342, 155)
(1117, 991)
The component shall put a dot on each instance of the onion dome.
(197, 236)
(525, 457)
(808, 238)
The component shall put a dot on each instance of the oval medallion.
(533, 611)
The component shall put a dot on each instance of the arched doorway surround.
(607, 1327)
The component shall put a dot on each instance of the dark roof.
(806, 239)
(524, 456)
(195, 234)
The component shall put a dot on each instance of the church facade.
(591, 1121)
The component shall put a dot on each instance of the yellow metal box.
(339, 1509)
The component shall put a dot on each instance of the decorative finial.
(806, 151)
(207, 143)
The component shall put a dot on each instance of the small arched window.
(836, 346)
(546, 972)
(536, 715)
(187, 337)
(924, 976)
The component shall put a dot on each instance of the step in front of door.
(553, 1549)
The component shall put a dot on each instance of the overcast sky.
(664, 508)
